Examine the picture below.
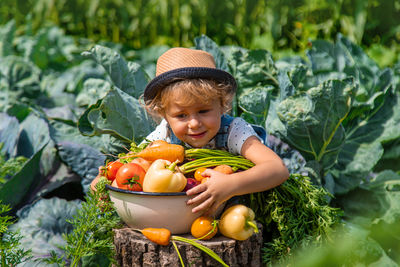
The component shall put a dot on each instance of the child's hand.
(212, 193)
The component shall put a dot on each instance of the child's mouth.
(197, 136)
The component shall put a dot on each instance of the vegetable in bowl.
(156, 210)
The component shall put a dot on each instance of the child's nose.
(194, 123)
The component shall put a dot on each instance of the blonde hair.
(191, 91)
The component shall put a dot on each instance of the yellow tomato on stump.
(204, 227)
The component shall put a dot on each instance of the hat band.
(169, 77)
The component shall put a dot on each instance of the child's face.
(196, 124)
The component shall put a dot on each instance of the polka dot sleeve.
(160, 133)
(239, 131)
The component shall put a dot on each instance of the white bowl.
(157, 210)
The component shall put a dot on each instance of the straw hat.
(185, 63)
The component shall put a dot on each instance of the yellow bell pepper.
(237, 222)
(163, 177)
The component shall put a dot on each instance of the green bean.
(195, 153)
(234, 162)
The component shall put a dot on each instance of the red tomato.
(112, 168)
(130, 176)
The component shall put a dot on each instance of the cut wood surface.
(133, 249)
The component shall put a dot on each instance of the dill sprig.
(292, 214)
(11, 253)
(92, 233)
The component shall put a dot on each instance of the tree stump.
(133, 249)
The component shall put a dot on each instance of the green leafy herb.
(92, 235)
(292, 214)
(10, 252)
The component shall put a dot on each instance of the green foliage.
(91, 238)
(17, 188)
(92, 234)
(104, 118)
(82, 159)
(121, 101)
(353, 121)
(293, 215)
(127, 76)
(11, 252)
(336, 109)
(332, 100)
(10, 166)
(42, 225)
(272, 25)
(349, 246)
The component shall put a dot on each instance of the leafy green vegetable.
(390, 157)
(9, 128)
(33, 136)
(16, 190)
(92, 231)
(342, 162)
(376, 201)
(7, 33)
(127, 76)
(293, 215)
(42, 225)
(83, 159)
(313, 120)
(117, 114)
(23, 77)
(93, 89)
(67, 131)
(255, 104)
(35, 48)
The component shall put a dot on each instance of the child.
(192, 97)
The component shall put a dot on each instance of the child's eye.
(204, 111)
(180, 116)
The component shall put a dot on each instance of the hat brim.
(162, 80)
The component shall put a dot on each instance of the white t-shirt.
(239, 131)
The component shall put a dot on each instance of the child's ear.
(158, 111)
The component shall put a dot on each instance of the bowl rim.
(112, 188)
